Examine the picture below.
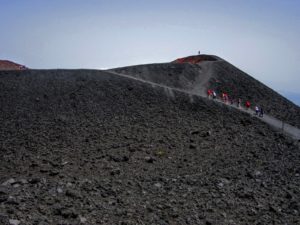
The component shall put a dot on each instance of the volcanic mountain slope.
(8, 65)
(199, 73)
(89, 147)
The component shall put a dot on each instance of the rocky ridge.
(90, 147)
(199, 73)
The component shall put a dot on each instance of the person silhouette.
(247, 104)
(261, 112)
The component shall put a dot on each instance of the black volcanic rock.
(196, 74)
(99, 134)
(238, 84)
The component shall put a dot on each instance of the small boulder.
(195, 132)
(59, 190)
(158, 185)
(149, 159)
(10, 181)
(14, 222)
(72, 194)
(116, 171)
(193, 146)
(82, 219)
(34, 180)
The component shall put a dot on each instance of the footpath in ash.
(288, 129)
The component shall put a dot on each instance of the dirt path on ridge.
(292, 131)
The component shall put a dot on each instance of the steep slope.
(96, 148)
(188, 77)
(199, 73)
(239, 84)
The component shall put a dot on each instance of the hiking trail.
(292, 131)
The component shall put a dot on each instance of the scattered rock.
(14, 222)
(206, 134)
(3, 218)
(59, 190)
(257, 173)
(3, 198)
(117, 158)
(16, 185)
(149, 159)
(262, 133)
(69, 213)
(195, 132)
(34, 180)
(23, 181)
(72, 194)
(10, 181)
(208, 222)
(224, 181)
(158, 185)
(12, 201)
(220, 184)
(54, 172)
(116, 171)
(193, 146)
(82, 219)
(174, 213)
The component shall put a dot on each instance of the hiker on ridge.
(214, 94)
(247, 104)
(231, 100)
(209, 93)
(256, 110)
(225, 97)
(239, 103)
(261, 112)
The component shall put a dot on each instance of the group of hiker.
(228, 100)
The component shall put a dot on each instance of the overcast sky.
(261, 37)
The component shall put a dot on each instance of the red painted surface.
(195, 59)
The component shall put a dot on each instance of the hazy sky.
(261, 37)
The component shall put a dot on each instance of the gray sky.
(260, 37)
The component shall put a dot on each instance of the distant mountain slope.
(199, 73)
(8, 65)
(230, 79)
(81, 145)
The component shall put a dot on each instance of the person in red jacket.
(209, 93)
(247, 105)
